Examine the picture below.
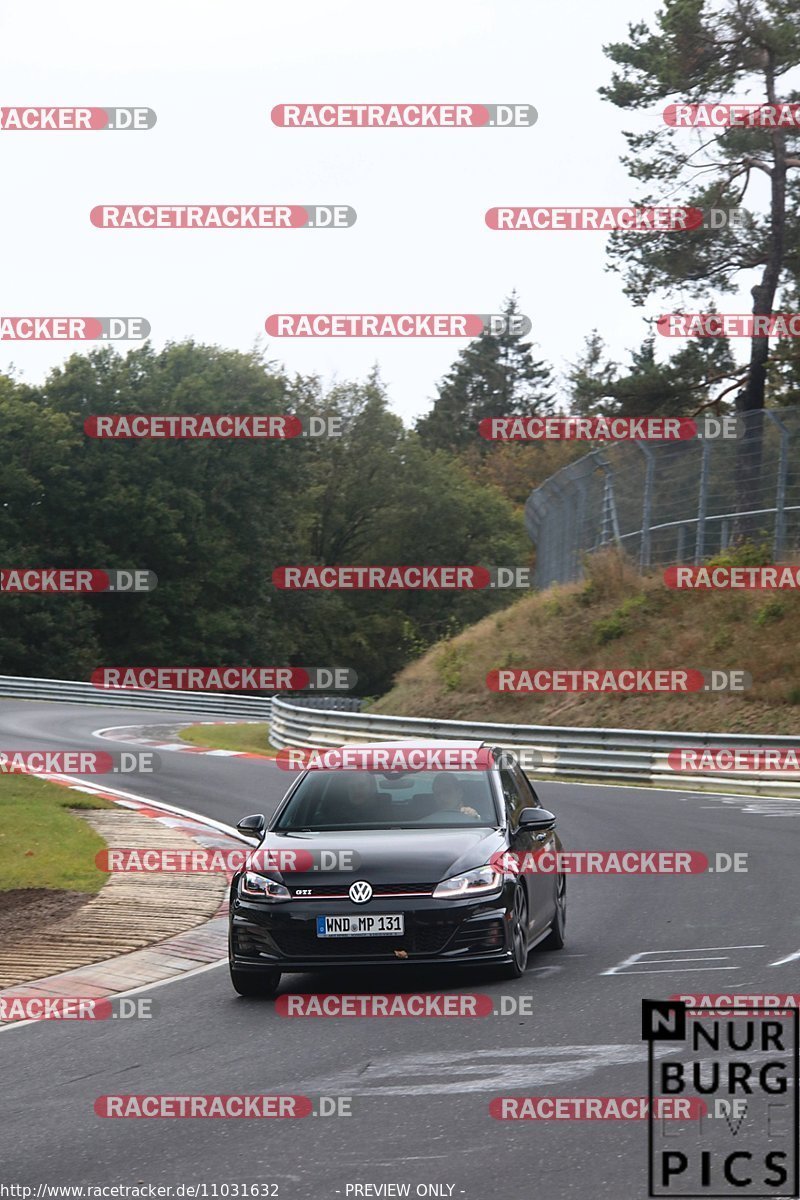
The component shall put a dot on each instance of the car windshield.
(327, 800)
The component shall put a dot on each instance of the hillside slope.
(616, 618)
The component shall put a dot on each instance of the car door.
(519, 794)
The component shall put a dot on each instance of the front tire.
(255, 985)
(556, 938)
(519, 935)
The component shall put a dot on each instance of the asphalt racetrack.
(419, 1089)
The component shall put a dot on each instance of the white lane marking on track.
(789, 958)
(761, 806)
(640, 959)
(670, 970)
(716, 958)
(170, 809)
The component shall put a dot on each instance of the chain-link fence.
(672, 502)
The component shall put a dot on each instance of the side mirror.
(253, 826)
(537, 820)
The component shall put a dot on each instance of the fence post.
(647, 505)
(610, 522)
(680, 549)
(780, 498)
(560, 530)
(702, 504)
(581, 523)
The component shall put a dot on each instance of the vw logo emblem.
(360, 892)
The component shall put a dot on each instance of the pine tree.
(496, 375)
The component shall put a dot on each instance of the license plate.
(363, 925)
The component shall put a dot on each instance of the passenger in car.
(354, 800)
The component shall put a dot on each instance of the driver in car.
(357, 799)
(449, 796)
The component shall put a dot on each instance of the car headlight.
(479, 882)
(251, 884)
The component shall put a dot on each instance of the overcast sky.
(213, 71)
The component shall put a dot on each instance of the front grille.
(425, 938)
(338, 891)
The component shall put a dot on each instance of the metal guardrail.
(333, 703)
(605, 755)
(69, 691)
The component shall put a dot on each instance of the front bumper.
(436, 932)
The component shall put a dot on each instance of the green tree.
(693, 379)
(206, 516)
(590, 380)
(376, 495)
(40, 635)
(495, 375)
(214, 518)
(703, 51)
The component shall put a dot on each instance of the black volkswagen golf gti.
(422, 867)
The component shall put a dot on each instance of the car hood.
(391, 855)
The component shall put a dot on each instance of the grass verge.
(249, 738)
(42, 843)
(617, 618)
